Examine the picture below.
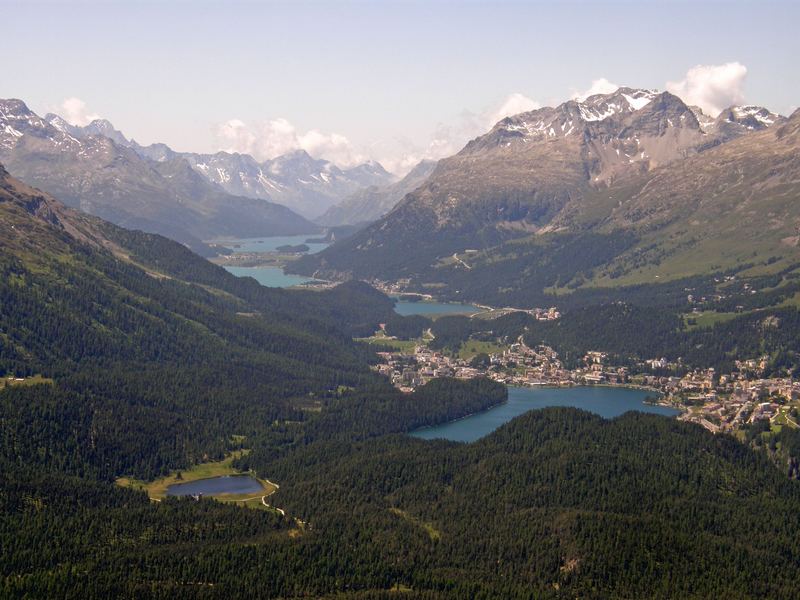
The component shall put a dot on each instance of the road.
(455, 258)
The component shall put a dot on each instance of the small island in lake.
(290, 249)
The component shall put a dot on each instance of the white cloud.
(74, 111)
(712, 87)
(448, 138)
(269, 139)
(516, 103)
(599, 86)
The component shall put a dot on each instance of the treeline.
(369, 413)
(407, 327)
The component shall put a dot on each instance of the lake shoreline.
(597, 399)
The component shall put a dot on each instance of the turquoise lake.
(270, 244)
(405, 308)
(226, 484)
(269, 276)
(607, 402)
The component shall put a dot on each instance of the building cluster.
(721, 403)
(738, 399)
(546, 314)
(517, 365)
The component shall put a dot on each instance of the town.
(720, 403)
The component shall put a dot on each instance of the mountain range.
(103, 177)
(642, 184)
(307, 185)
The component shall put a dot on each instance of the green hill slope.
(727, 208)
(174, 354)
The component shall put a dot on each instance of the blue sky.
(393, 81)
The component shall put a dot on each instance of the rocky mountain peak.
(16, 120)
(13, 107)
(61, 124)
(753, 118)
(624, 113)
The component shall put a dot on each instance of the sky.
(393, 81)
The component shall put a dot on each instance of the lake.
(423, 307)
(607, 402)
(269, 276)
(226, 484)
(270, 244)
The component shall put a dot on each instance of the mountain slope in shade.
(158, 343)
(97, 175)
(561, 172)
(371, 203)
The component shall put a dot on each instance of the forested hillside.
(152, 359)
(148, 335)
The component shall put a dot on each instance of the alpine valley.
(171, 430)
(186, 196)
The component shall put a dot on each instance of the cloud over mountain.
(599, 86)
(268, 139)
(712, 87)
(75, 112)
(516, 103)
(449, 138)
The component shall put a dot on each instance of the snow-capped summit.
(16, 119)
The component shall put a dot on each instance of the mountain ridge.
(307, 185)
(101, 177)
(544, 173)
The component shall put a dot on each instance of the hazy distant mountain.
(567, 171)
(87, 169)
(97, 127)
(371, 203)
(307, 185)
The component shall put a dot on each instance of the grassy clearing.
(405, 346)
(35, 380)
(707, 319)
(157, 490)
(432, 532)
(472, 348)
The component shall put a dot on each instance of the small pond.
(212, 486)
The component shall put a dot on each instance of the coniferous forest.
(150, 360)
